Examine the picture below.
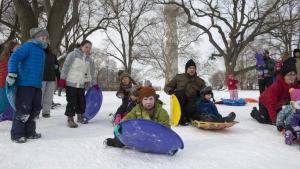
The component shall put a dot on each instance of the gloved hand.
(11, 78)
(118, 119)
(117, 130)
(62, 83)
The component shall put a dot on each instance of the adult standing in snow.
(78, 73)
(277, 95)
(186, 87)
(25, 69)
(51, 74)
(266, 78)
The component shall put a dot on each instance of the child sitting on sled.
(207, 110)
(148, 109)
(125, 108)
(288, 119)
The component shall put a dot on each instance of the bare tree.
(132, 18)
(160, 49)
(232, 24)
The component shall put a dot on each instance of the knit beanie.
(189, 63)
(287, 69)
(295, 96)
(36, 32)
(146, 92)
(206, 90)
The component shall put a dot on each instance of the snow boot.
(113, 142)
(19, 140)
(288, 135)
(230, 117)
(71, 122)
(81, 119)
(35, 136)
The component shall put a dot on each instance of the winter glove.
(117, 130)
(11, 78)
(118, 119)
(62, 83)
(280, 128)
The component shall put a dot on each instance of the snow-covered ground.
(247, 145)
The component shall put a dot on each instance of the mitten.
(11, 78)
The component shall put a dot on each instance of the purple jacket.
(295, 121)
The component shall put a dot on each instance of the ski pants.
(28, 106)
(76, 101)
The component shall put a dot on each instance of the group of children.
(279, 89)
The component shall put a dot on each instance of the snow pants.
(76, 101)
(264, 83)
(28, 106)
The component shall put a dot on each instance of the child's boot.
(230, 117)
(81, 119)
(288, 137)
(71, 122)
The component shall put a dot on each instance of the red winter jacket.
(231, 83)
(277, 95)
(3, 72)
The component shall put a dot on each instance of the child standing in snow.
(207, 110)
(232, 87)
(25, 69)
(147, 109)
(78, 73)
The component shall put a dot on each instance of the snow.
(247, 145)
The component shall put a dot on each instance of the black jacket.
(51, 67)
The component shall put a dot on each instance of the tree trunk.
(26, 18)
(171, 12)
(55, 23)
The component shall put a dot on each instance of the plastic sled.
(8, 113)
(231, 102)
(175, 110)
(93, 99)
(4, 101)
(10, 92)
(250, 100)
(212, 125)
(148, 136)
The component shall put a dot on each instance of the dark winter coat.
(290, 62)
(28, 63)
(277, 95)
(207, 107)
(125, 108)
(268, 67)
(51, 68)
(191, 85)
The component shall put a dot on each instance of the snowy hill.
(247, 145)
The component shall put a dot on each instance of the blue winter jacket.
(28, 63)
(207, 107)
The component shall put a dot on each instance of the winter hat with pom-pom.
(295, 97)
